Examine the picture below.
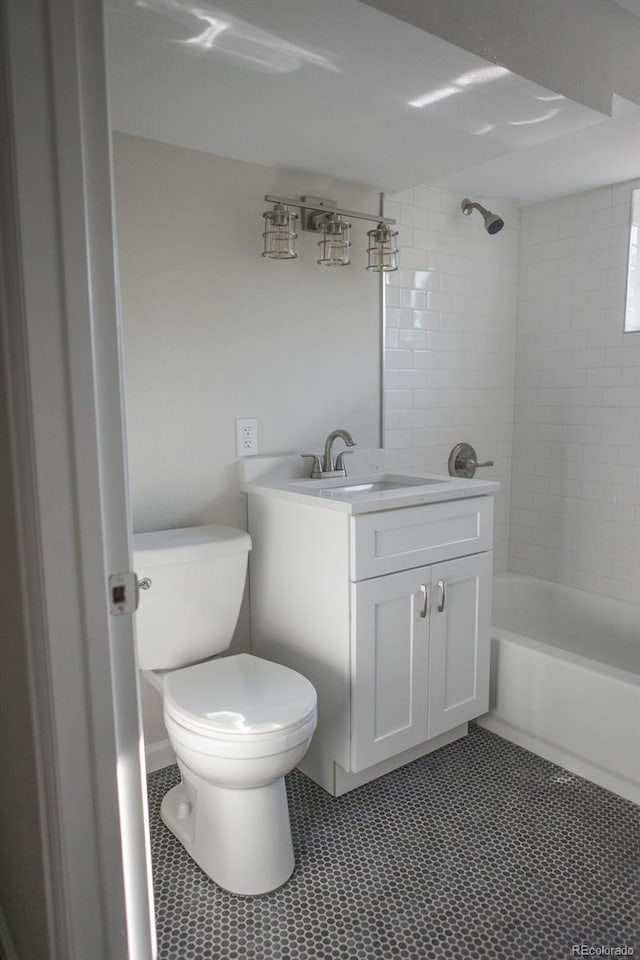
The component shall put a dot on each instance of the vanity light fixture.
(323, 216)
(382, 250)
(335, 243)
(280, 233)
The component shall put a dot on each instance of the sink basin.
(367, 487)
(371, 487)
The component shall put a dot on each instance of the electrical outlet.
(246, 438)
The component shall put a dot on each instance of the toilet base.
(240, 838)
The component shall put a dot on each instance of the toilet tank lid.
(163, 547)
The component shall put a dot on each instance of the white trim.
(72, 508)
(7, 948)
(159, 755)
(16, 393)
(582, 768)
(344, 780)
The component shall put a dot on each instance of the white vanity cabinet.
(387, 613)
(419, 656)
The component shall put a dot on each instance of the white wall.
(450, 339)
(576, 455)
(213, 332)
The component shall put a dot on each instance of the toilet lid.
(238, 697)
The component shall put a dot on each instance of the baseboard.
(582, 768)
(158, 755)
(7, 947)
(344, 780)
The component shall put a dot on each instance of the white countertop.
(330, 494)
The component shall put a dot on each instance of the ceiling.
(633, 6)
(338, 88)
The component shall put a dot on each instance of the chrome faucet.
(327, 468)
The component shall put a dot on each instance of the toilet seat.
(242, 705)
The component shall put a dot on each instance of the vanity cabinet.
(419, 655)
(387, 613)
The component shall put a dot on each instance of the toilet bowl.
(237, 724)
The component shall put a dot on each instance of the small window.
(632, 311)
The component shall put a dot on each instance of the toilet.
(237, 724)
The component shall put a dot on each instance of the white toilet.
(237, 724)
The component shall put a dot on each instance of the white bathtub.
(565, 679)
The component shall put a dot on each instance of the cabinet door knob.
(425, 600)
(443, 595)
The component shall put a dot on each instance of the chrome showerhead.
(492, 222)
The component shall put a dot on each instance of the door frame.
(61, 378)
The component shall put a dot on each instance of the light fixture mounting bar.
(316, 209)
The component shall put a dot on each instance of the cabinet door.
(389, 658)
(459, 643)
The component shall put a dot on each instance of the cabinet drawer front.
(395, 540)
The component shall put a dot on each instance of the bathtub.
(565, 679)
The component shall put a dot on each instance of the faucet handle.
(316, 468)
(340, 460)
(463, 461)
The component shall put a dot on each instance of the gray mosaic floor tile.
(480, 851)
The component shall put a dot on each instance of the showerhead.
(492, 222)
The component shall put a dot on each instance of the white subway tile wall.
(450, 340)
(575, 494)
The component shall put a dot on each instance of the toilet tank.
(191, 608)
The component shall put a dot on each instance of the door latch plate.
(123, 593)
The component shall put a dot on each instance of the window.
(632, 312)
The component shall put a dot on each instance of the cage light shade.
(280, 233)
(335, 243)
(382, 250)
